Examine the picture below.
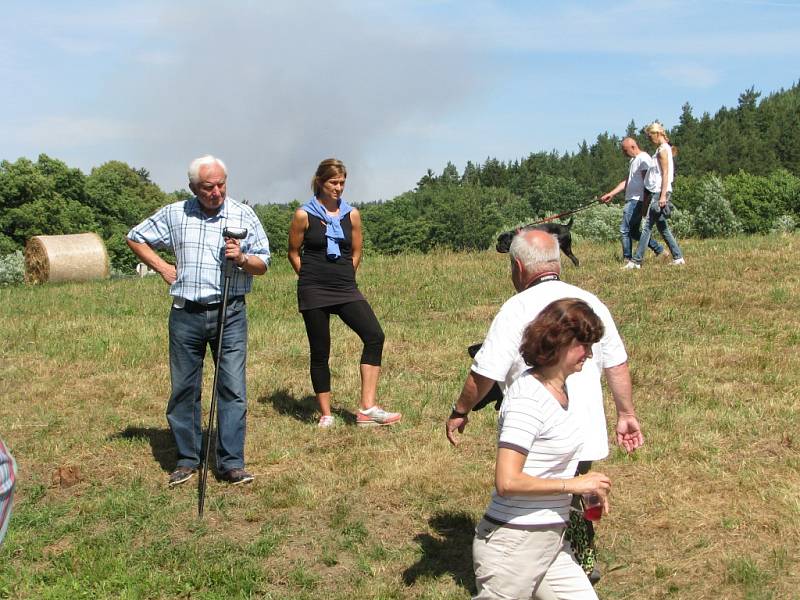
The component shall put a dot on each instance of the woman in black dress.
(325, 243)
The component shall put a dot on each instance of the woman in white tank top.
(658, 191)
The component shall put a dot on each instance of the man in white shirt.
(535, 270)
(630, 228)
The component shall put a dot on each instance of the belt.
(195, 307)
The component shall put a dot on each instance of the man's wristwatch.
(456, 414)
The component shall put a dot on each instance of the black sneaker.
(180, 475)
(237, 476)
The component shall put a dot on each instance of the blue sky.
(391, 88)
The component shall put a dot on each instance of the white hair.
(536, 258)
(204, 161)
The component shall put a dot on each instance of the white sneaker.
(325, 422)
(631, 265)
(678, 261)
(377, 416)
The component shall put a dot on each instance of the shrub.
(599, 223)
(754, 200)
(687, 192)
(784, 224)
(713, 217)
(786, 188)
(276, 218)
(681, 223)
(122, 259)
(7, 245)
(12, 268)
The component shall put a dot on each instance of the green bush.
(714, 217)
(12, 268)
(122, 259)
(681, 223)
(754, 200)
(7, 245)
(784, 224)
(687, 193)
(599, 223)
(276, 218)
(786, 188)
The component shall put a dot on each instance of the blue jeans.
(189, 334)
(630, 229)
(655, 217)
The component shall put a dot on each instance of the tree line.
(738, 171)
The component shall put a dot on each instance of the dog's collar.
(551, 276)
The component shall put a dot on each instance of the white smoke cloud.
(275, 88)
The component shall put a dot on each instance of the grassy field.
(709, 508)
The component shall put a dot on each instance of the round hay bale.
(78, 257)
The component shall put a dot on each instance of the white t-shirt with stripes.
(535, 424)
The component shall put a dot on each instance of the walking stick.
(236, 233)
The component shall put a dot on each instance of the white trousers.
(520, 564)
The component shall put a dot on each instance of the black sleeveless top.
(324, 282)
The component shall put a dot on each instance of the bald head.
(630, 147)
(533, 253)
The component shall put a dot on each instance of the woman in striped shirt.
(519, 549)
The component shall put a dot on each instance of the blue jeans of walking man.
(631, 229)
(190, 332)
(656, 217)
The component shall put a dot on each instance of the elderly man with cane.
(193, 229)
(535, 271)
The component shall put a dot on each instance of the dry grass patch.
(708, 509)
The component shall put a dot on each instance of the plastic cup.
(592, 507)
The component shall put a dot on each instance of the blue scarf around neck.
(333, 224)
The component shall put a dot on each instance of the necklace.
(556, 389)
(560, 393)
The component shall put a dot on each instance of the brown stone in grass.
(65, 477)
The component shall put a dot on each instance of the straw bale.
(53, 258)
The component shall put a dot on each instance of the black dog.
(494, 394)
(557, 229)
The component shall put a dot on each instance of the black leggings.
(359, 317)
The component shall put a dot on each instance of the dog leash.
(565, 214)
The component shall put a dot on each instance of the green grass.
(707, 509)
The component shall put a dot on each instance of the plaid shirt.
(196, 239)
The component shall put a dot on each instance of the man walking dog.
(193, 230)
(535, 271)
(631, 226)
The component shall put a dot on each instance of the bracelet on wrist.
(457, 414)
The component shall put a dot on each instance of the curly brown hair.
(555, 328)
